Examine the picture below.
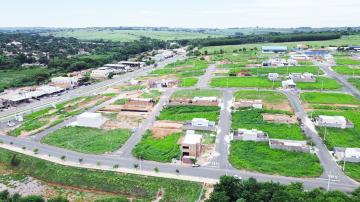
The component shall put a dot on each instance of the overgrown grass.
(279, 70)
(190, 94)
(141, 187)
(155, 149)
(343, 60)
(188, 82)
(153, 94)
(321, 83)
(261, 82)
(121, 101)
(355, 82)
(352, 170)
(87, 140)
(328, 98)
(187, 113)
(258, 156)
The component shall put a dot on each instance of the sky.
(179, 13)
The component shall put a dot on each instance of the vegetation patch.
(87, 140)
(344, 60)
(258, 156)
(322, 83)
(279, 70)
(155, 149)
(187, 113)
(270, 97)
(261, 82)
(352, 170)
(328, 98)
(190, 94)
(346, 70)
(188, 82)
(355, 82)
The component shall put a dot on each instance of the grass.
(160, 150)
(258, 156)
(252, 119)
(355, 82)
(328, 98)
(153, 94)
(140, 187)
(346, 70)
(188, 82)
(352, 170)
(190, 94)
(121, 101)
(87, 140)
(279, 70)
(187, 113)
(321, 83)
(343, 60)
(192, 67)
(260, 82)
(270, 97)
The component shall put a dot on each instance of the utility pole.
(325, 134)
(344, 164)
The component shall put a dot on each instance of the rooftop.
(192, 139)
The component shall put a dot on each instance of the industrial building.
(274, 49)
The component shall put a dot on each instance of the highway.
(219, 164)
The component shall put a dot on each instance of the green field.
(337, 137)
(345, 60)
(130, 35)
(190, 94)
(22, 77)
(187, 113)
(188, 82)
(270, 97)
(87, 140)
(155, 149)
(153, 94)
(346, 70)
(352, 170)
(280, 70)
(260, 82)
(135, 186)
(328, 98)
(258, 156)
(252, 119)
(355, 82)
(343, 41)
(186, 68)
(323, 83)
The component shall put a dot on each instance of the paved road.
(205, 79)
(326, 160)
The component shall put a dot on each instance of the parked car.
(195, 165)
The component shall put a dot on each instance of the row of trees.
(231, 189)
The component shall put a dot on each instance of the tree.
(32, 198)
(218, 197)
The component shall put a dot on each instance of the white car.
(195, 165)
(237, 177)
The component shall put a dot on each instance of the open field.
(355, 82)
(280, 70)
(337, 137)
(261, 82)
(352, 170)
(153, 94)
(40, 120)
(343, 41)
(130, 35)
(188, 82)
(187, 68)
(328, 98)
(346, 70)
(136, 186)
(190, 94)
(346, 60)
(155, 149)
(87, 140)
(323, 83)
(252, 119)
(260, 157)
(22, 77)
(270, 97)
(187, 113)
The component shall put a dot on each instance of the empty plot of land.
(251, 82)
(187, 113)
(328, 98)
(190, 94)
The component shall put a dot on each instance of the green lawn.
(355, 82)
(258, 156)
(280, 70)
(261, 82)
(188, 82)
(87, 140)
(270, 97)
(343, 60)
(321, 83)
(121, 101)
(352, 170)
(252, 119)
(190, 94)
(328, 98)
(346, 70)
(187, 113)
(155, 149)
(140, 187)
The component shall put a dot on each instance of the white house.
(250, 135)
(305, 77)
(333, 122)
(200, 122)
(289, 145)
(288, 84)
(347, 154)
(88, 119)
(273, 76)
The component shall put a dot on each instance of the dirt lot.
(279, 118)
(161, 129)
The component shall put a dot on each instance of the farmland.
(252, 119)
(261, 82)
(130, 35)
(186, 113)
(328, 98)
(190, 94)
(87, 140)
(155, 149)
(140, 187)
(260, 157)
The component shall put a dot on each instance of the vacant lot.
(261, 82)
(321, 83)
(355, 82)
(280, 70)
(352, 170)
(252, 119)
(328, 98)
(188, 82)
(156, 149)
(259, 157)
(87, 140)
(190, 94)
(183, 69)
(137, 186)
(343, 60)
(346, 70)
(270, 97)
(187, 113)
(153, 94)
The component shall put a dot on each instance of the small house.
(274, 77)
(250, 135)
(333, 122)
(305, 77)
(288, 84)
